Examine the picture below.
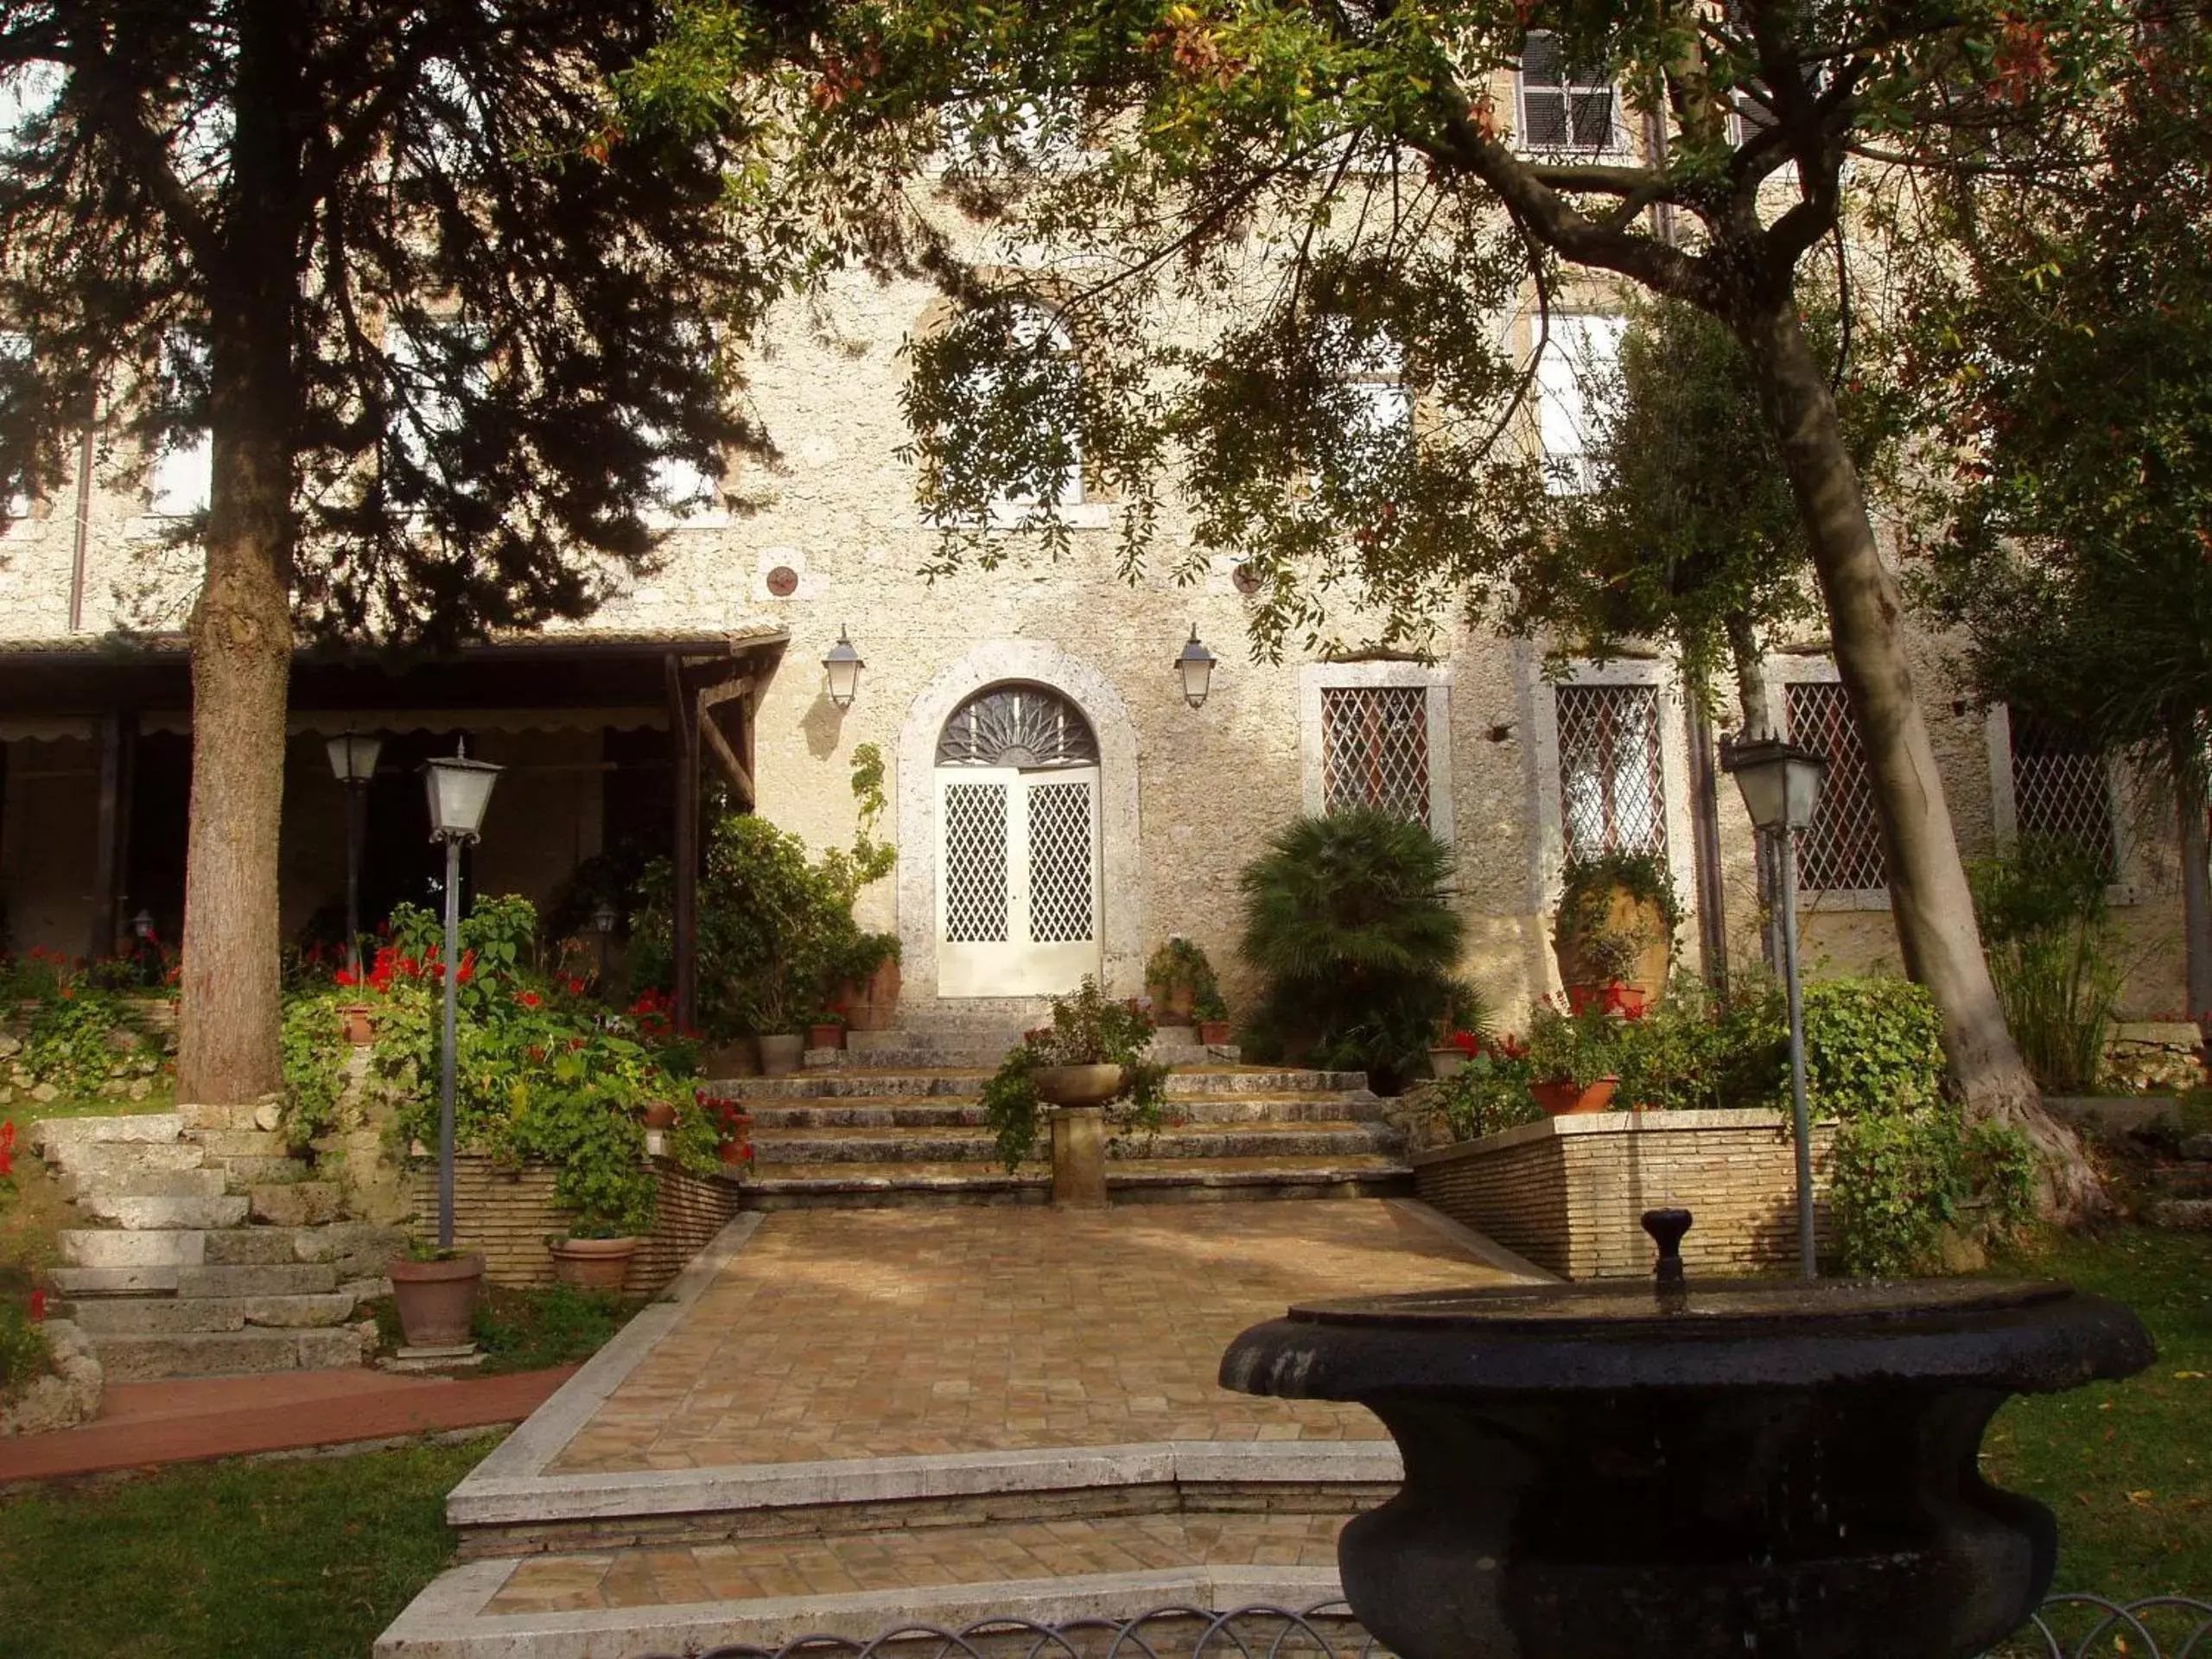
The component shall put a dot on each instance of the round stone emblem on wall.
(1245, 579)
(783, 582)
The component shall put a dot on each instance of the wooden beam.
(718, 746)
(683, 718)
(110, 840)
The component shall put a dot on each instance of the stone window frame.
(1314, 678)
(2005, 812)
(1784, 672)
(1674, 769)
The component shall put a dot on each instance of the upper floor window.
(1563, 105)
(1611, 785)
(1033, 331)
(1572, 370)
(182, 481)
(14, 365)
(1841, 850)
(2062, 789)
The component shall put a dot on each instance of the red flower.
(575, 986)
(345, 976)
(38, 1307)
(1466, 1042)
(528, 999)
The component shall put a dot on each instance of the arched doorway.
(1017, 844)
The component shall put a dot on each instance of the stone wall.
(1567, 1193)
(509, 1212)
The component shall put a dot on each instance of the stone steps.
(1128, 1181)
(143, 1316)
(910, 1082)
(987, 1056)
(219, 1256)
(781, 1147)
(903, 1134)
(224, 1353)
(893, 1111)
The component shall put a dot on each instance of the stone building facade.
(1058, 803)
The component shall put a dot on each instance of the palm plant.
(1348, 920)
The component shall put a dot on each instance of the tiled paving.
(840, 1334)
(918, 1559)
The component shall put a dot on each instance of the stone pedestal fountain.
(1738, 1467)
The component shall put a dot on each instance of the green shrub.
(541, 1072)
(1489, 1091)
(1873, 1046)
(2046, 935)
(1578, 1048)
(23, 1353)
(1693, 1052)
(1349, 923)
(79, 1036)
(314, 1053)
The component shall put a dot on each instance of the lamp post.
(1782, 786)
(1196, 666)
(354, 758)
(844, 665)
(602, 923)
(459, 791)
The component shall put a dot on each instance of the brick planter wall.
(1567, 1193)
(509, 1212)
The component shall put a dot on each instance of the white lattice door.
(1018, 879)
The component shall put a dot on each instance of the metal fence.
(2068, 1627)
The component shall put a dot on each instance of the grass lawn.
(2126, 1466)
(528, 1330)
(298, 1560)
(163, 1099)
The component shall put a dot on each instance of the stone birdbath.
(1687, 1472)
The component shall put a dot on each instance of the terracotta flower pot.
(593, 1263)
(1444, 1063)
(1172, 1004)
(781, 1053)
(1627, 1001)
(1567, 1098)
(1213, 1034)
(830, 1036)
(360, 1026)
(1076, 1085)
(660, 1115)
(437, 1299)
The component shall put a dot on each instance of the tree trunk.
(2196, 879)
(229, 1014)
(1930, 901)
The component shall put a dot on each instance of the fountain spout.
(1670, 1283)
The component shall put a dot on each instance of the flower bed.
(545, 1075)
(75, 1031)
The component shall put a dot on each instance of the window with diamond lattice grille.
(1612, 795)
(1841, 851)
(1060, 862)
(2059, 789)
(1375, 749)
(975, 863)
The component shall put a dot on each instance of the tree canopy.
(442, 316)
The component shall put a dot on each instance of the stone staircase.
(212, 1251)
(897, 1118)
(2183, 1190)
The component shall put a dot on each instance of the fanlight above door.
(1025, 728)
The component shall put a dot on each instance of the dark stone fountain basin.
(1741, 1467)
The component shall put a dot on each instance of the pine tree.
(440, 312)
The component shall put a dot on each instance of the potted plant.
(1614, 930)
(1574, 1060)
(436, 1292)
(868, 987)
(826, 1030)
(596, 1253)
(1212, 1015)
(1091, 1041)
(1489, 1091)
(1176, 978)
(1446, 1058)
(358, 1023)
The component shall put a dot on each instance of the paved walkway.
(143, 1424)
(873, 1333)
